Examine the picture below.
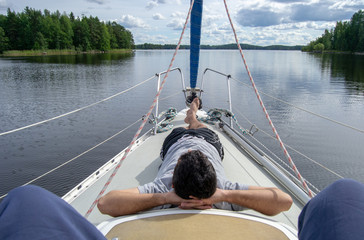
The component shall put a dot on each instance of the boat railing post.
(158, 86)
(202, 80)
(183, 82)
(228, 77)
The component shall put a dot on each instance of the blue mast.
(196, 17)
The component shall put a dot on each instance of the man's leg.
(337, 212)
(177, 133)
(191, 116)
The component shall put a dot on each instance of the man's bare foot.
(195, 104)
(191, 115)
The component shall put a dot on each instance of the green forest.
(346, 36)
(36, 30)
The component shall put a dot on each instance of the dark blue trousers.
(33, 213)
(336, 213)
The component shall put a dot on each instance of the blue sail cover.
(196, 17)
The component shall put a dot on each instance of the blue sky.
(260, 22)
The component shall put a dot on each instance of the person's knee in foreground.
(32, 212)
(336, 213)
(192, 177)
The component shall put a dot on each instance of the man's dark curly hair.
(194, 175)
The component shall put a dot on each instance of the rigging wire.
(293, 166)
(145, 120)
(293, 149)
(304, 110)
(231, 115)
(170, 96)
(77, 110)
(78, 156)
(285, 164)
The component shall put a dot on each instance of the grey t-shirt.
(163, 182)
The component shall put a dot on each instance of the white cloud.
(129, 21)
(158, 16)
(3, 4)
(258, 17)
(347, 4)
(97, 1)
(178, 21)
(319, 11)
(176, 24)
(151, 5)
(209, 19)
(154, 3)
(140, 38)
(282, 21)
(178, 15)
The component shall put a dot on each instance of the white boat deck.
(142, 164)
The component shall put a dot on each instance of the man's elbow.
(286, 203)
(105, 207)
(102, 205)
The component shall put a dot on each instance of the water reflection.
(32, 91)
(345, 66)
(89, 59)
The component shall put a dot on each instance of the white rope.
(305, 110)
(71, 160)
(77, 110)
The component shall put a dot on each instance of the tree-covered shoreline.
(347, 36)
(36, 30)
(151, 46)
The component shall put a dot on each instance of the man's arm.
(129, 201)
(269, 201)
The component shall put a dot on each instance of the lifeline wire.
(77, 110)
(307, 111)
(144, 121)
(298, 152)
(71, 160)
(302, 180)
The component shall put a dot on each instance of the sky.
(258, 22)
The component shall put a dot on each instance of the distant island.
(347, 36)
(224, 46)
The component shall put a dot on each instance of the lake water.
(33, 89)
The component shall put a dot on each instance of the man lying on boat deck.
(192, 177)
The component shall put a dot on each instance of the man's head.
(194, 175)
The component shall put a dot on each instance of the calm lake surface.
(33, 89)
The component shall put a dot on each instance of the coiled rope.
(77, 110)
(293, 166)
(214, 115)
(165, 125)
(145, 119)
